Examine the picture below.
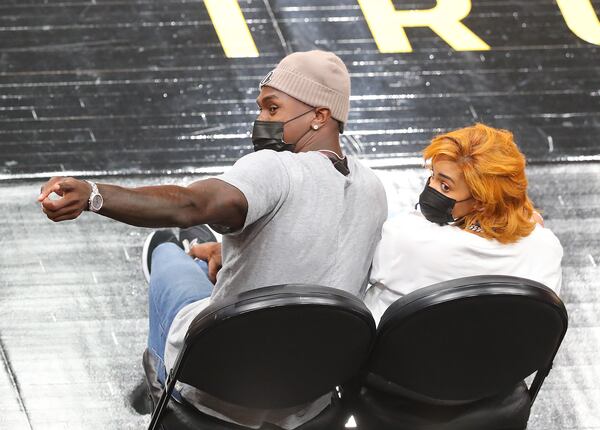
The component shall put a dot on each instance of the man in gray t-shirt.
(295, 211)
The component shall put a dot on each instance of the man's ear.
(322, 115)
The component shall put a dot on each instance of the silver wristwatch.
(95, 201)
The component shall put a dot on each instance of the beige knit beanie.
(317, 78)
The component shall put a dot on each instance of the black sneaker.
(190, 236)
(152, 241)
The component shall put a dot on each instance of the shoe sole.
(145, 265)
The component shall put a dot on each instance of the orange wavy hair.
(494, 170)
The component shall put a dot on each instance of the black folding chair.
(269, 348)
(454, 356)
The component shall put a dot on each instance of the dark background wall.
(122, 86)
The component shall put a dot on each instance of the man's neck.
(329, 143)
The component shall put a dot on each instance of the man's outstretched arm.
(209, 201)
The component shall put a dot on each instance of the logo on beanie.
(266, 79)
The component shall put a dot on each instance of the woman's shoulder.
(544, 239)
(405, 221)
(415, 221)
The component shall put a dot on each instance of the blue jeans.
(176, 280)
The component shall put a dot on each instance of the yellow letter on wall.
(581, 18)
(231, 27)
(387, 24)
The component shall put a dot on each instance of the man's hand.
(74, 195)
(211, 253)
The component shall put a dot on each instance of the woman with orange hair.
(475, 219)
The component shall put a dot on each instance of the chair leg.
(161, 406)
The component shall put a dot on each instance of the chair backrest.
(277, 347)
(467, 339)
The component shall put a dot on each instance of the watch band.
(94, 195)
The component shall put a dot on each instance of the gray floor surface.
(73, 317)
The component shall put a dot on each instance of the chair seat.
(182, 416)
(375, 410)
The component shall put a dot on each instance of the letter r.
(387, 24)
(581, 18)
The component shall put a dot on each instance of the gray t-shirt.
(306, 223)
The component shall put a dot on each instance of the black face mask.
(269, 135)
(437, 207)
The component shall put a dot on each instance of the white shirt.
(415, 253)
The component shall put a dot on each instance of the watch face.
(96, 202)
